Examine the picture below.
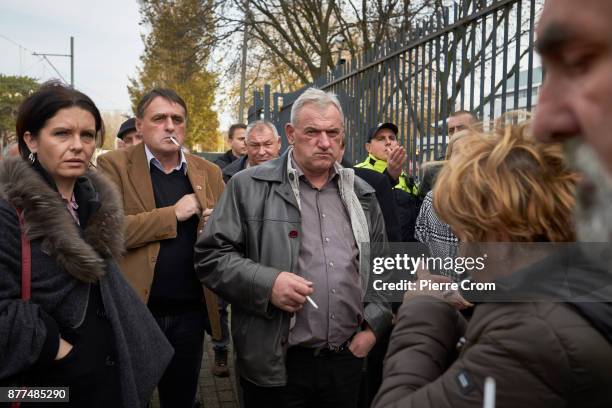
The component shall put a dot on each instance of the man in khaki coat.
(167, 197)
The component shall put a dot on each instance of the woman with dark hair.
(83, 327)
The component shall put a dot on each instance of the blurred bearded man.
(575, 103)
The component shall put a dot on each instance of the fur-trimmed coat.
(65, 259)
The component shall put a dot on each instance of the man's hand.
(187, 207)
(362, 343)
(289, 291)
(63, 349)
(206, 214)
(395, 162)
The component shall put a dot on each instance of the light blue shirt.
(152, 159)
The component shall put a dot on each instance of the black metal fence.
(476, 55)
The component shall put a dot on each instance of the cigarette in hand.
(312, 302)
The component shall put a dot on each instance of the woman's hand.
(63, 349)
(452, 297)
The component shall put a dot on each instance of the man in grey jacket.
(283, 246)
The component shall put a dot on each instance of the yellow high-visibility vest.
(378, 165)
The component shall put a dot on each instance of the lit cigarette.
(489, 393)
(175, 141)
(312, 302)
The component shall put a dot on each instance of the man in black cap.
(387, 156)
(128, 133)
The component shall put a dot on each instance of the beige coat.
(145, 225)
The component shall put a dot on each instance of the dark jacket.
(254, 234)
(405, 192)
(234, 167)
(540, 354)
(429, 178)
(386, 200)
(408, 211)
(225, 159)
(65, 260)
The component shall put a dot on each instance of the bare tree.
(310, 36)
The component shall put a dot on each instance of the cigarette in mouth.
(174, 141)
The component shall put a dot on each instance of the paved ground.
(214, 392)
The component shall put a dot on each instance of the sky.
(107, 44)
(107, 38)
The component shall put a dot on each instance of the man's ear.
(31, 141)
(368, 146)
(139, 125)
(290, 132)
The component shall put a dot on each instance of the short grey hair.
(259, 124)
(317, 97)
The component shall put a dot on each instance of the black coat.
(408, 211)
(386, 200)
(234, 167)
(225, 159)
(429, 179)
(71, 266)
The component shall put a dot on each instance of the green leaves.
(177, 51)
(13, 91)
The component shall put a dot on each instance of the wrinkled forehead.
(566, 22)
(463, 119)
(319, 115)
(261, 134)
(162, 106)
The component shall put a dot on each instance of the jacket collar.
(152, 160)
(276, 171)
(230, 156)
(243, 162)
(375, 164)
(235, 166)
(85, 195)
(273, 170)
(140, 176)
(80, 253)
